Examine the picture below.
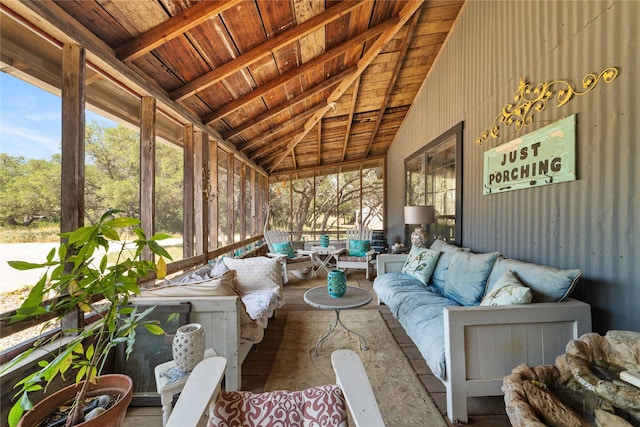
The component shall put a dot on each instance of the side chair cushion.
(359, 248)
(284, 248)
(316, 406)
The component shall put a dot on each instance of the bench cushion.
(547, 284)
(467, 277)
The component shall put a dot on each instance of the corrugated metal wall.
(592, 223)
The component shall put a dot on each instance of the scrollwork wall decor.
(528, 99)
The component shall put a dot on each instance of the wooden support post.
(213, 199)
(230, 208)
(242, 209)
(200, 207)
(187, 192)
(147, 168)
(72, 171)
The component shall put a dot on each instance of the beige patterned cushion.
(257, 274)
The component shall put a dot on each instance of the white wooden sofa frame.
(220, 318)
(483, 344)
(204, 385)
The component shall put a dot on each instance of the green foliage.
(77, 272)
(30, 188)
(325, 202)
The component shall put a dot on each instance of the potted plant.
(76, 274)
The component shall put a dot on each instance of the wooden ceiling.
(294, 85)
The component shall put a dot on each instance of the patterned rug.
(401, 397)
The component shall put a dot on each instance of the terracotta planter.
(107, 384)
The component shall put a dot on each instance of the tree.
(30, 189)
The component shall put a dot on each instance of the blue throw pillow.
(284, 248)
(467, 276)
(420, 263)
(359, 247)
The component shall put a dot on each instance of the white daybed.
(232, 306)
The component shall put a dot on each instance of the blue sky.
(30, 119)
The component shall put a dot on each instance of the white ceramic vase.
(188, 346)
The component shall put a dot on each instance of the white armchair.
(301, 264)
(202, 395)
(343, 258)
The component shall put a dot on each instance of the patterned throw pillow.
(508, 290)
(420, 263)
(317, 406)
(284, 248)
(359, 247)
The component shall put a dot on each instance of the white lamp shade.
(419, 214)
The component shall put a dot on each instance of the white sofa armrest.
(220, 318)
(388, 263)
(483, 344)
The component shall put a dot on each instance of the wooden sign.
(546, 156)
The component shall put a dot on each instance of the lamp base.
(419, 237)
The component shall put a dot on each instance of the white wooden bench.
(483, 344)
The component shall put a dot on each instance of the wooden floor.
(255, 369)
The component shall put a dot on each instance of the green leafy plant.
(76, 273)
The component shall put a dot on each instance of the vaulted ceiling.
(293, 85)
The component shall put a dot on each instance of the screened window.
(434, 178)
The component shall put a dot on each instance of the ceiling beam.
(323, 169)
(265, 49)
(296, 72)
(172, 28)
(325, 84)
(405, 14)
(352, 108)
(255, 141)
(404, 48)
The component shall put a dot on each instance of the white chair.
(302, 265)
(345, 261)
(202, 401)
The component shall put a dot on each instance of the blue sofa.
(470, 347)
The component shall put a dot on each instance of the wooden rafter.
(273, 146)
(325, 84)
(263, 50)
(407, 11)
(297, 72)
(404, 48)
(281, 126)
(172, 28)
(352, 108)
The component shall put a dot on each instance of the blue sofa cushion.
(422, 317)
(547, 284)
(394, 288)
(467, 277)
(447, 252)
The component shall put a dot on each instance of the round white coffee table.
(353, 298)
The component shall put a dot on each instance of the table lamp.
(418, 215)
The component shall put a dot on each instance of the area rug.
(402, 399)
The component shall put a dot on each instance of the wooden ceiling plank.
(332, 53)
(404, 48)
(326, 84)
(352, 107)
(405, 14)
(306, 113)
(323, 169)
(264, 49)
(172, 28)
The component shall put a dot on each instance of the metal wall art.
(528, 99)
